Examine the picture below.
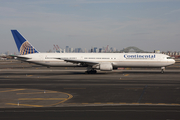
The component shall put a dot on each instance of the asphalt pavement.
(35, 92)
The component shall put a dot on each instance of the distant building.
(78, 50)
(92, 49)
(70, 50)
(67, 49)
(85, 50)
(100, 50)
(95, 49)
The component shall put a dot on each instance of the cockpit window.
(169, 57)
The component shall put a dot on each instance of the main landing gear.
(91, 72)
(162, 69)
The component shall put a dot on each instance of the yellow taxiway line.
(25, 105)
(61, 100)
(126, 75)
(29, 75)
(12, 90)
(42, 98)
(38, 92)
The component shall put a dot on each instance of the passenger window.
(169, 57)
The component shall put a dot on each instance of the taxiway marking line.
(29, 75)
(37, 92)
(12, 90)
(31, 93)
(142, 94)
(70, 96)
(126, 75)
(61, 100)
(174, 104)
(122, 103)
(25, 105)
(42, 98)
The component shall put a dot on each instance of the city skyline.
(79, 49)
(104, 49)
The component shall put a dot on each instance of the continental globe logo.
(26, 48)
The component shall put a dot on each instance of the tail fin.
(24, 47)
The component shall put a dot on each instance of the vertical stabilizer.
(24, 47)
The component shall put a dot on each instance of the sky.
(147, 24)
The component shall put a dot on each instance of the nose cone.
(173, 61)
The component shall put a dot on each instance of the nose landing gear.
(162, 69)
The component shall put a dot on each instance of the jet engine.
(105, 67)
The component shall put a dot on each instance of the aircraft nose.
(174, 61)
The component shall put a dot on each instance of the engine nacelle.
(105, 67)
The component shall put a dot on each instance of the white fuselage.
(116, 59)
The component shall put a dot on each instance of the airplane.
(93, 61)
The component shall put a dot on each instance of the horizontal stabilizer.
(20, 57)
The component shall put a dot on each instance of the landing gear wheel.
(162, 69)
(91, 72)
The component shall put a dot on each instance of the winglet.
(24, 47)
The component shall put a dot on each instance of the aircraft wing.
(83, 62)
